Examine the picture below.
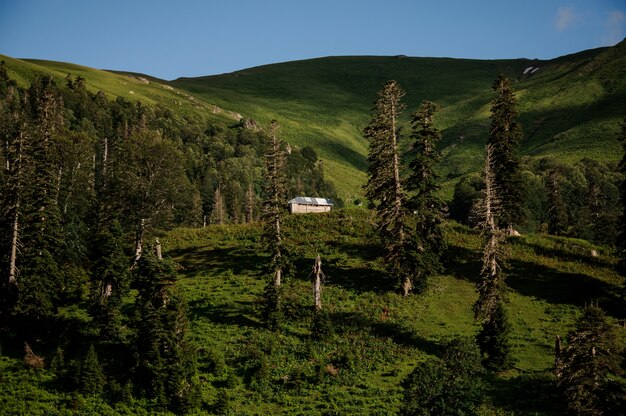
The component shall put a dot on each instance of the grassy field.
(378, 336)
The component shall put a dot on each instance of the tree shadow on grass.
(219, 260)
(232, 313)
(565, 252)
(363, 251)
(541, 282)
(530, 393)
(358, 279)
(463, 263)
(356, 321)
(530, 279)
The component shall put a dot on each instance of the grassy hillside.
(378, 335)
(570, 107)
(134, 87)
(266, 373)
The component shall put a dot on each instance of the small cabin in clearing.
(304, 204)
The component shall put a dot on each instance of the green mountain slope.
(569, 107)
(133, 87)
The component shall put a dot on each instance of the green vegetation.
(94, 320)
(378, 336)
(569, 108)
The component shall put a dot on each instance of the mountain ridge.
(569, 107)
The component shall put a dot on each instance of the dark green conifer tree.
(587, 369)
(557, 211)
(274, 206)
(426, 244)
(451, 385)
(493, 340)
(505, 136)
(110, 281)
(384, 187)
(621, 237)
(91, 378)
(40, 267)
(165, 358)
(489, 307)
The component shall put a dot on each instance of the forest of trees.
(87, 183)
(580, 200)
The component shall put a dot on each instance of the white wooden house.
(304, 204)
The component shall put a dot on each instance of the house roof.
(306, 200)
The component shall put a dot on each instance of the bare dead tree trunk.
(491, 286)
(558, 350)
(58, 185)
(204, 221)
(406, 286)
(157, 249)
(15, 229)
(279, 272)
(139, 241)
(106, 291)
(278, 277)
(7, 166)
(317, 283)
(490, 202)
(14, 239)
(105, 158)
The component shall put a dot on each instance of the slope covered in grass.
(378, 335)
(569, 107)
(133, 87)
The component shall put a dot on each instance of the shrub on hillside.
(450, 385)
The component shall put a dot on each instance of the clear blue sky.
(169, 39)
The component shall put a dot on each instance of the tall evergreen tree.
(273, 211)
(557, 212)
(14, 137)
(588, 367)
(146, 182)
(110, 281)
(493, 340)
(41, 271)
(621, 237)
(384, 188)
(91, 378)
(489, 307)
(426, 243)
(218, 214)
(505, 136)
(165, 357)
